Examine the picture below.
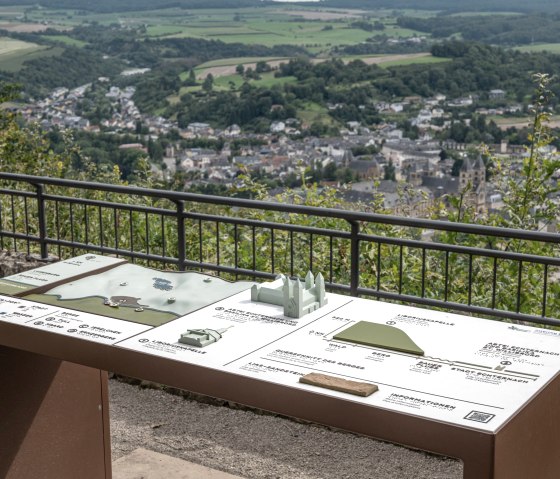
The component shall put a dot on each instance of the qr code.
(479, 416)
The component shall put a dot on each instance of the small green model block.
(201, 337)
(379, 336)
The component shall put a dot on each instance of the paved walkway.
(248, 445)
(144, 464)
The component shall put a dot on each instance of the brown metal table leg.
(53, 418)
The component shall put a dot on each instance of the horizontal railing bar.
(316, 231)
(20, 236)
(109, 250)
(268, 225)
(351, 216)
(28, 194)
(499, 313)
(490, 253)
(110, 205)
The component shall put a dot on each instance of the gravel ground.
(257, 446)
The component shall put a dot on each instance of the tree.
(528, 197)
(208, 83)
(155, 150)
(262, 67)
(240, 69)
(191, 80)
(389, 171)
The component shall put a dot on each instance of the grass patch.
(414, 61)
(13, 53)
(267, 80)
(396, 31)
(13, 62)
(66, 40)
(174, 99)
(239, 61)
(310, 112)
(10, 45)
(484, 14)
(548, 47)
(224, 82)
(12, 11)
(164, 30)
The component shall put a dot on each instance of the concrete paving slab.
(144, 464)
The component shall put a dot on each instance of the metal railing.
(493, 272)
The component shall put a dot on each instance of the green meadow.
(428, 59)
(316, 29)
(66, 40)
(239, 61)
(312, 112)
(13, 53)
(312, 35)
(541, 47)
(266, 80)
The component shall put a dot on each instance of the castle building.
(297, 298)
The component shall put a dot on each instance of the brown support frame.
(54, 418)
(526, 446)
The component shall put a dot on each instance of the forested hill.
(493, 29)
(104, 6)
(442, 5)
(449, 5)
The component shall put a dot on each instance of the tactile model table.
(485, 392)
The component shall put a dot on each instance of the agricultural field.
(11, 13)
(240, 61)
(483, 14)
(227, 67)
(315, 36)
(316, 29)
(14, 52)
(18, 27)
(266, 80)
(412, 59)
(541, 47)
(66, 40)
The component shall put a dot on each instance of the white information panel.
(475, 373)
(65, 269)
(89, 327)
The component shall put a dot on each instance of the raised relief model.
(379, 336)
(201, 337)
(297, 298)
(139, 294)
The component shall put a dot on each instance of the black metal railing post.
(41, 213)
(354, 258)
(181, 237)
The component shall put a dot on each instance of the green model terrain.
(379, 336)
(139, 294)
(95, 305)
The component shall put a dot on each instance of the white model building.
(297, 298)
